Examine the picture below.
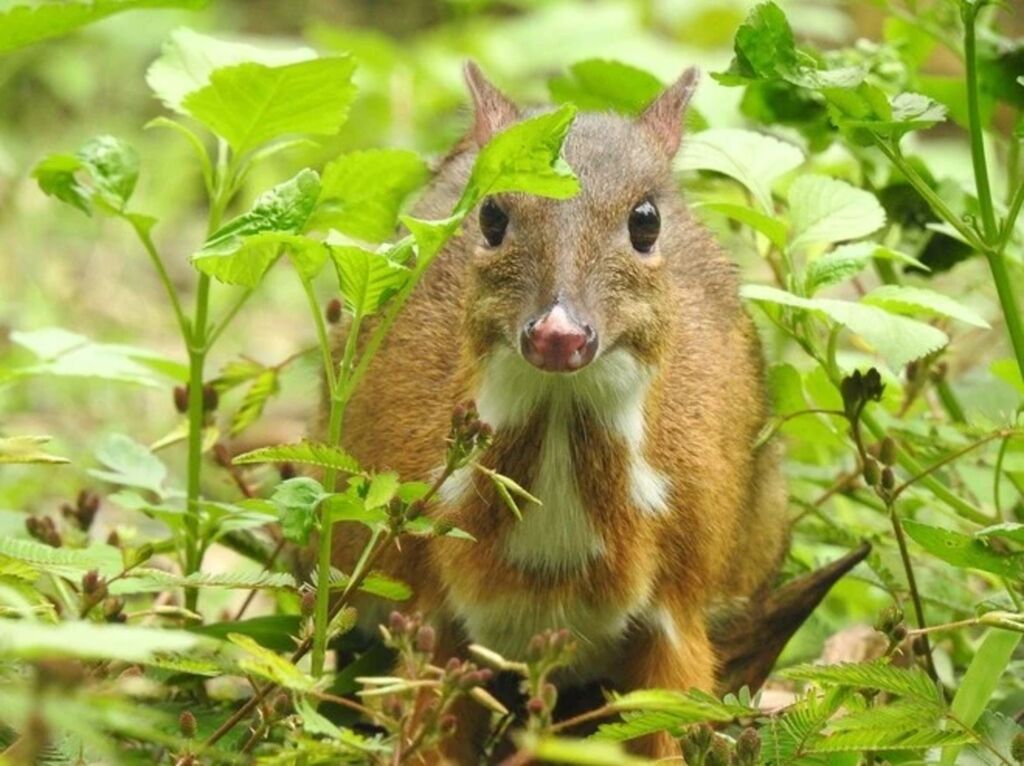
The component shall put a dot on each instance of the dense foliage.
(872, 197)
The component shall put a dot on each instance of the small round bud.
(872, 473)
(393, 707)
(719, 754)
(887, 452)
(333, 311)
(187, 724)
(898, 633)
(397, 623)
(286, 471)
(181, 399)
(888, 479)
(307, 602)
(91, 582)
(447, 725)
(1017, 747)
(748, 747)
(114, 539)
(416, 509)
(701, 736)
(453, 666)
(919, 645)
(549, 693)
(425, 639)
(535, 706)
(222, 455)
(890, 617)
(458, 416)
(210, 398)
(112, 609)
(938, 372)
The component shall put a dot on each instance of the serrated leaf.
(110, 168)
(824, 210)
(849, 260)
(598, 85)
(189, 58)
(70, 563)
(256, 397)
(753, 159)
(375, 583)
(145, 580)
(241, 251)
(129, 464)
(910, 300)
(878, 674)
(249, 104)
(866, 740)
(305, 452)
(1008, 530)
(26, 24)
(27, 449)
(965, 551)
(297, 501)
(381, 490)
(525, 157)
(367, 279)
(898, 339)
(363, 192)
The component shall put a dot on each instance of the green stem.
(977, 131)
(915, 595)
(231, 313)
(949, 402)
(1008, 302)
(147, 242)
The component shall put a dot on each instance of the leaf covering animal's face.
(563, 281)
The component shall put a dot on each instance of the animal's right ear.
(664, 118)
(493, 111)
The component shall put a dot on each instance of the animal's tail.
(749, 643)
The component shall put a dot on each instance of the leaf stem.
(142, 232)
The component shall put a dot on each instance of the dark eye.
(493, 222)
(644, 225)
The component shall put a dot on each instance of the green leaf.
(189, 58)
(305, 452)
(70, 563)
(964, 551)
(129, 464)
(27, 449)
(583, 752)
(651, 710)
(262, 662)
(67, 354)
(979, 683)
(431, 236)
(250, 104)
(274, 631)
(110, 166)
(773, 228)
(753, 159)
(911, 300)
(877, 674)
(376, 584)
(524, 158)
(603, 85)
(764, 46)
(824, 210)
(367, 279)
(896, 338)
(297, 501)
(866, 111)
(145, 580)
(241, 251)
(849, 260)
(1008, 371)
(26, 24)
(88, 640)
(256, 397)
(382, 488)
(362, 192)
(1008, 530)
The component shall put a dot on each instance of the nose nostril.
(588, 331)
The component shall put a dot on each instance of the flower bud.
(748, 747)
(91, 582)
(397, 623)
(888, 479)
(307, 602)
(222, 455)
(286, 471)
(210, 398)
(890, 617)
(181, 399)
(1017, 747)
(872, 473)
(187, 724)
(425, 639)
(114, 539)
(887, 452)
(549, 693)
(535, 706)
(112, 609)
(333, 311)
(719, 754)
(447, 725)
(898, 633)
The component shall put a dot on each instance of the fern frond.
(879, 674)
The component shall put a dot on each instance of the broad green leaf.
(305, 452)
(867, 111)
(1008, 371)
(376, 584)
(381, 490)
(129, 464)
(524, 158)
(602, 85)
(964, 551)
(249, 104)
(189, 58)
(110, 168)
(753, 159)
(67, 354)
(367, 279)
(849, 260)
(431, 236)
(362, 192)
(764, 47)
(1008, 530)
(27, 449)
(269, 665)
(979, 683)
(241, 251)
(898, 339)
(900, 299)
(823, 210)
(297, 501)
(351, 506)
(775, 229)
(256, 397)
(25, 24)
(87, 640)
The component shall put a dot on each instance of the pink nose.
(557, 342)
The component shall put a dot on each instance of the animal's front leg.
(671, 651)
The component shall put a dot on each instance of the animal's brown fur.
(676, 310)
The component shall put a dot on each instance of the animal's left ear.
(664, 117)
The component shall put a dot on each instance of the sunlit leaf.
(27, 449)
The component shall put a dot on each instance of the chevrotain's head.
(565, 281)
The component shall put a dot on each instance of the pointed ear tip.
(690, 77)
